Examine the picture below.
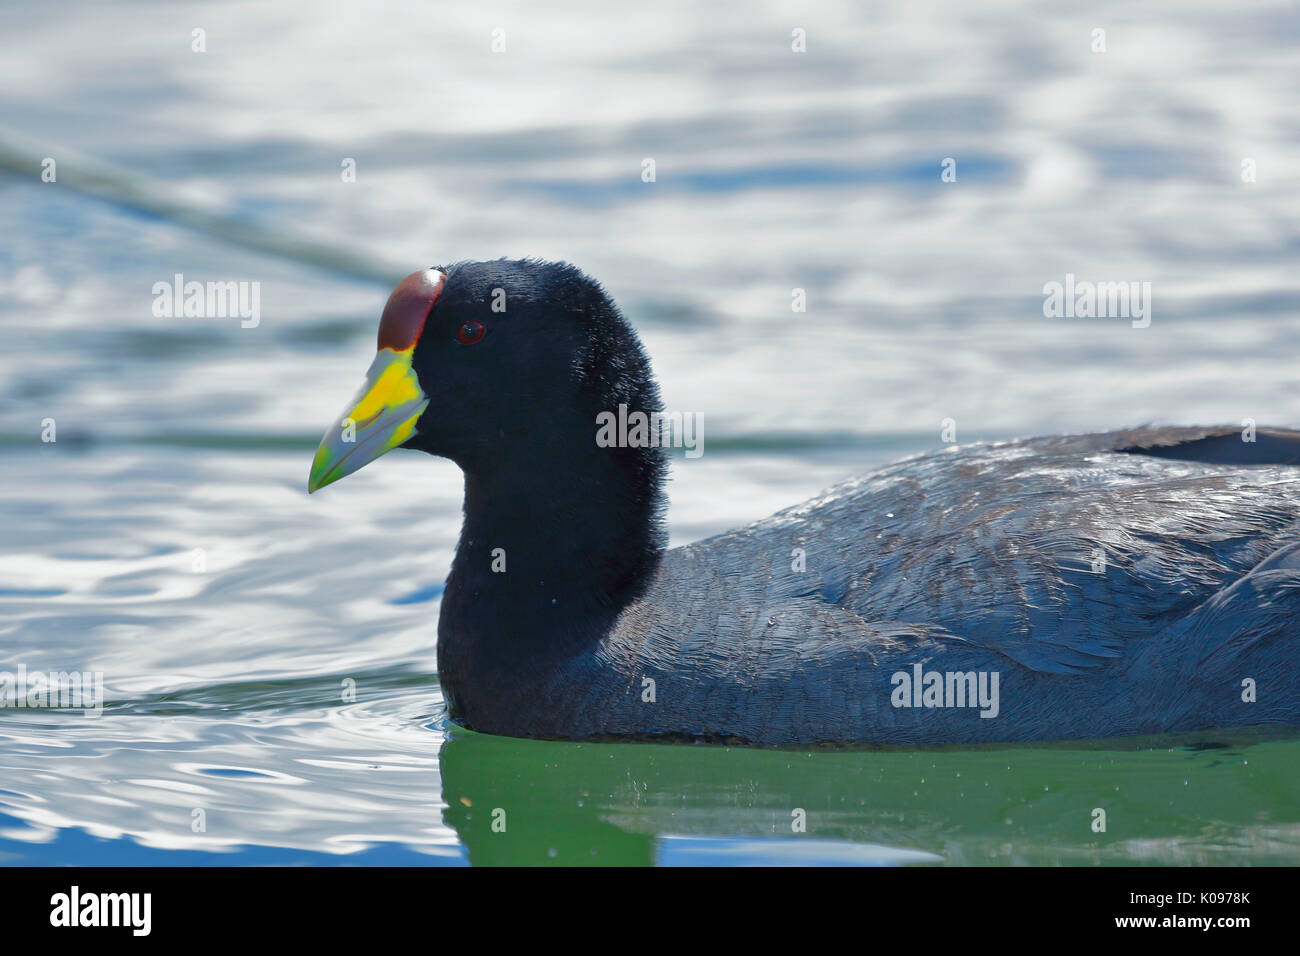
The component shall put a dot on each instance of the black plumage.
(1132, 582)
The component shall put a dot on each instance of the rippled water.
(268, 658)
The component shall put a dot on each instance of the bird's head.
(488, 364)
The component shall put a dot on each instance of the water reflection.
(535, 802)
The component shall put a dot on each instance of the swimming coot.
(1132, 582)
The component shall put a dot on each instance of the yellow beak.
(381, 417)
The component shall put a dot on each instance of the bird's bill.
(381, 417)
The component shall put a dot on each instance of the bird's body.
(1112, 593)
(1058, 588)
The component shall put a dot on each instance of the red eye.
(471, 332)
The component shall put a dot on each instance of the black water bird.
(1132, 582)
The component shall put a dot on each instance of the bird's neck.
(555, 543)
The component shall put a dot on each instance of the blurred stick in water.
(23, 156)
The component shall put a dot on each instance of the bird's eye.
(471, 332)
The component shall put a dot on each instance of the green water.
(1209, 802)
